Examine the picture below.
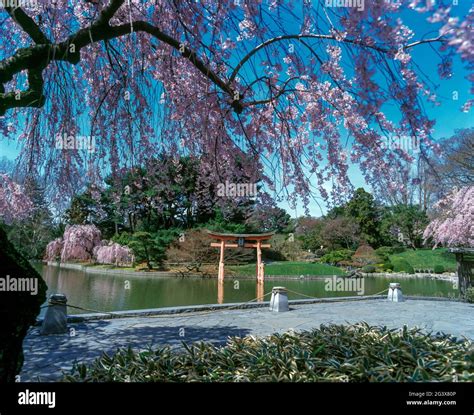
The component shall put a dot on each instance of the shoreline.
(91, 269)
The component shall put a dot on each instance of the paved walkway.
(47, 356)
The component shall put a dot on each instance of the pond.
(105, 292)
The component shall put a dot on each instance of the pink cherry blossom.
(79, 242)
(453, 222)
(54, 250)
(271, 83)
(115, 254)
(14, 203)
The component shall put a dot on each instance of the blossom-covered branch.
(453, 223)
(221, 80)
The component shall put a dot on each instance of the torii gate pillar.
(260, 265)
(221, 262)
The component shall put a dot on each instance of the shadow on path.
(46, 357)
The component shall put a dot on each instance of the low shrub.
(438, 269)
(369, 269)
(384, 252)
(400, 265)
(470, 295)
(388, 266)
(365, 255)
(335, 257)
(350, 353)
(398, 249)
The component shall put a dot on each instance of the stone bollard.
(395, 293)
(279, 299)
(55, 319)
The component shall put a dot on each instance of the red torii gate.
(241, 240)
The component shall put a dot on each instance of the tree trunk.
(18, 309)
(464, 271)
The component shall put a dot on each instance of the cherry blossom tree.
(260, 89)
(453, 223)
(83, 243)
(14, 203)
(115, 254)
(54, 249)
(79, 242)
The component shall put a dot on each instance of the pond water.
(105, 292)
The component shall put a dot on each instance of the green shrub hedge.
(385, 251)
(334, 257)
(400, 265)
(369, 269)
(353, 353)
(438, 269)
(388, 266)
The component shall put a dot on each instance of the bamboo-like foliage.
(335, 353)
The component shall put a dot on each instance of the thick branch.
(32, 97)
(27, 24)
(39, 56)
(109, 12)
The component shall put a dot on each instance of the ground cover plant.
(352, 353)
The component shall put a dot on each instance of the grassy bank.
(289, 268)
(428, 258)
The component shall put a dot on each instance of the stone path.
(47, 356)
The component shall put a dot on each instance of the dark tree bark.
(465, 266)
(18, 309)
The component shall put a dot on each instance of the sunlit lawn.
(428, 258)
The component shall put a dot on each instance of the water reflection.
(105, 292)
(260, 288)
(220, 292)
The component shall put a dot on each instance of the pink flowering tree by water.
(54, 250)
(79, 242)
(14, 203)
(453, 223)
(259, 89)
(83, 243)
(115, 254)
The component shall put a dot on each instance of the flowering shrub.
(14, 203)
(79, 242)
(114, 253)
(453, 222)
(54, 249)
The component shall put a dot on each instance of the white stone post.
(395, 293)
(279, 299)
